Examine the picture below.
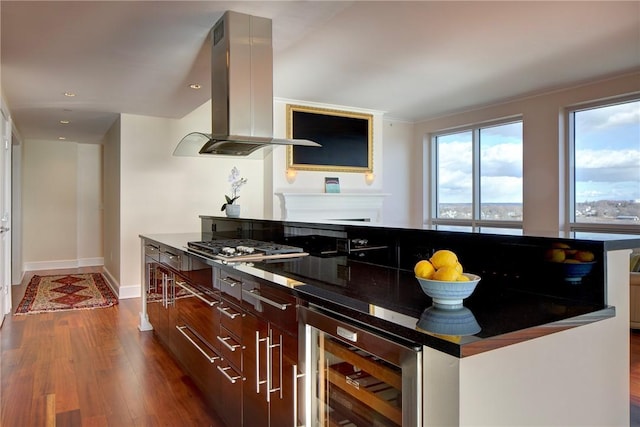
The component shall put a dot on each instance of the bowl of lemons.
(442, 278)
(569, 263)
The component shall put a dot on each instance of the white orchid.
(236, 182)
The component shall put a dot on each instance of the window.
(604, 142)
(477, 175)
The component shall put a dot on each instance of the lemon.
(424, 269)
(585, 256)
(458, 267)
(443, 258)
(447, 274)
(462, 278)
(555, 255)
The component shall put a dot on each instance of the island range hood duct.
(241, 91)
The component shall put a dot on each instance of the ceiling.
(412, 60)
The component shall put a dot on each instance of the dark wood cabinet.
(235, 337)
(229, 400)
(284, 402)
(270, 339)
(160, 301)
(256, 336)
(194, 334)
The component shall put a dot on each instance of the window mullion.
(476, 176)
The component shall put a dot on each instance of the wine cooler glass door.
(360, 379)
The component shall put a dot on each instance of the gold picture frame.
(346, 138)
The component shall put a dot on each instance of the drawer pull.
(225, 311)
(181, 329)
(229, 281)
(200, 297)
(255, 294)
(224, 372)
(226, 344)
(346, 333)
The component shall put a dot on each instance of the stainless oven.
(355, 377)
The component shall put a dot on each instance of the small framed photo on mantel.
(331, 184)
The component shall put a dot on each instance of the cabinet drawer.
(230, 347)
(173, 259)
(197, 309)
(229, 401)
(230, 287)
(152, 251)
(230, 317)
(276, 306)
(201, 363)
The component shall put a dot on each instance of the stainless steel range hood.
(241, 91)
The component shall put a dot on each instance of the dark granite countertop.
(501, 311)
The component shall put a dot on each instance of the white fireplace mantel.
(332, 206)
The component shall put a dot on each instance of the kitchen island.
(549, 351)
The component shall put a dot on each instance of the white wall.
(544, 144)
(402, 174)
(16, 210)
(111, 203)
(62, 222)
(161, 193)
(89, 197)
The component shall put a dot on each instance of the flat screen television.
(345, 137)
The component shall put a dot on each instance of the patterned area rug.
(66, 292)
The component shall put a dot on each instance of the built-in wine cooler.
(355, 377)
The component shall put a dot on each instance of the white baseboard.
(19, 282)
(90, 262)
(111, 281)
(130, 291)
(123, 292)
(69, 263)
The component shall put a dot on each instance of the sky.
(608, 153)
(607, 159)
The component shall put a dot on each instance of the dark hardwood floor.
(95, 368)
(91, 368)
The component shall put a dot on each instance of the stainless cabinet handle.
(258, 381)
(269, 367)
(229, 281)
(255, 294)
(296, 376)
(346, 333)
(224, 341)
(173, 291)
(200, 297)
(270, 348)
(224, 372)
(164, 290)
(211, 359)
(151, 279)
(225, 311)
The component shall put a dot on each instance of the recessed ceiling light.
(61, 138)
(65, 122)
(195, 86)
(69, 94)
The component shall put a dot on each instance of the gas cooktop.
(244, 250)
